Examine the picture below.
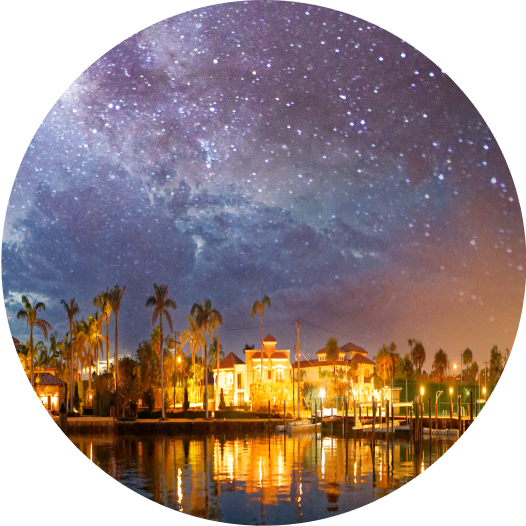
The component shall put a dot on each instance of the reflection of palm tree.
(30, 313)
(259, 306)
(160, 301)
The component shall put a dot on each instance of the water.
(260, 479)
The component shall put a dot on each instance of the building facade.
(352, 367)
(236, 376)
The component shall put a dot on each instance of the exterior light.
(421, 390)
(179, 359)
(450, 390)
(484, 390)
(322, 393)
(454, 366)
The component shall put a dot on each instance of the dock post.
(269, 414)
(421, 421)
(345, 417)
(450, 416)
(387, 421)
(436, 416)
(430, 418)
(470, 407)
(374, 414)
(321, 411)
(416, 423)
(316, 417)
(284, 414)
(354, 412)
(459, 416)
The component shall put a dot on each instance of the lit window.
(279, 373)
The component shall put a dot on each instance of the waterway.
(272, 479)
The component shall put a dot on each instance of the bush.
(222, 403)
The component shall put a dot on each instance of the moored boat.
(302, 426)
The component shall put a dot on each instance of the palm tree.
(418, 355)
(441, 363)
(71, 309)
(193, 337)
(259, 306)
(332, 351)
(394, 357)
(383, 362)
(115, 296)
(101, 301)
(30, 313)
(43, 358)
(467, 358)
(206, 319)
(217, 320)
(94, 338)
(160, 301)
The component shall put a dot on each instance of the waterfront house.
(352, 365)
(236, 376)
(49, 389)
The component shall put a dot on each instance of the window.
(240, 381)
(230, 380)
(279, 373)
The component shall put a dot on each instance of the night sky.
(271, 148)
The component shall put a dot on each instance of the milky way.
(272, 148)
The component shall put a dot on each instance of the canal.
(272, 479)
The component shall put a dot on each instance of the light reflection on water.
(259, 479)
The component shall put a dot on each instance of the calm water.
(259, 479)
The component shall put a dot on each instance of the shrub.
(222, 403)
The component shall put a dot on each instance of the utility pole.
(299, 367)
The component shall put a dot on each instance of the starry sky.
(271, 148)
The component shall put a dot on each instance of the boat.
(302, 426)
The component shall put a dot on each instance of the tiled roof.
(257, 356)
(48, 379)
(229, 361)
(323, 351)
(348, 347)
(362, 359)
(279, 356)
(320, 363)
(269, 339)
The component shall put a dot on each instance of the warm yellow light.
(484, 390)
(421, 390)
(322, 393)
(450, 390)
(179, 359)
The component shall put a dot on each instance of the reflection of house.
(352, 365)
(236, 376)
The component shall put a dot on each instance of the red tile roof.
(348, 347)
(229, 361)
(48, 379)
(269, 338)
(279, 356)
